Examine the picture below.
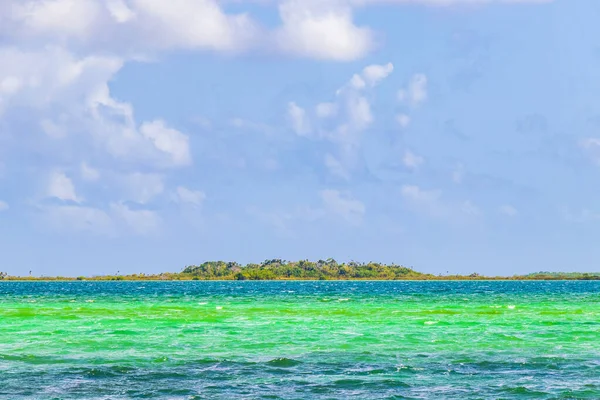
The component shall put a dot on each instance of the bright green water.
(300, 340)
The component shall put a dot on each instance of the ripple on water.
(295, 340)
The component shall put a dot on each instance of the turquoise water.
(299, 340)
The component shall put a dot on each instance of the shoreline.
(441, 279)
(276, 270)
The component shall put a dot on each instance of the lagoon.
(300, 340)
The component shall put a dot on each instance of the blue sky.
(447, 135)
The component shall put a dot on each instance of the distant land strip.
(277, 270)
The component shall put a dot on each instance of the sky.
(451, 136)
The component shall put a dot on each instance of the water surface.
(299, 340)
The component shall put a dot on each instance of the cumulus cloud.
(117, 220)
(373, 74)
(129, 27)
(343, 205)
(60, 74)
(141, 188)
(335, 167)
(53, 129)
(120, 11)
(326, 110)
(53, 81)
(430, 203)
(52, 75)
(298, 119)
(444, 3)
(352, 109)
(322, 30)
(139, 222)
(78, 219)
(591, 146)
(469, 208)
(61, 187)
(424, 200)
(187, 196)
(416, 91)
(172, 143)
(403, 120)
(88, 173)
(411, 160)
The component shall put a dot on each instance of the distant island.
(278, 269)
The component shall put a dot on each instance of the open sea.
(300, 340)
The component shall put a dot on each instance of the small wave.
(283, 362)
(522, 390)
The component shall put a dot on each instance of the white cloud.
(403, 120)
(70, 218)
(369, 77)
(47, 18)
(326, 110)
(140, 222)
(61, 187)
(202, 121)
(445, 2)
(191, 24)
(117, 220)
(10, 85)
(344, 205)
(53, 129)
(171, 142)
(430, 203)
(423, 200)
(591, 146)
(353, 109)
(88, 173)
(357, 82)
(470, 209)
(284, 221)
(359, 111)
(3, 206)
(187, 196)
(298, 119)
(120, 11)
(52, 75)
(416, 92)
(259, 127)
(55, 82)
(322, 30)
(335, 167)
(373, 74)
(411, 160)
(142, 188)
(136, 25)
(508, 210)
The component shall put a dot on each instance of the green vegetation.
(281, 270)
(306, 270)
